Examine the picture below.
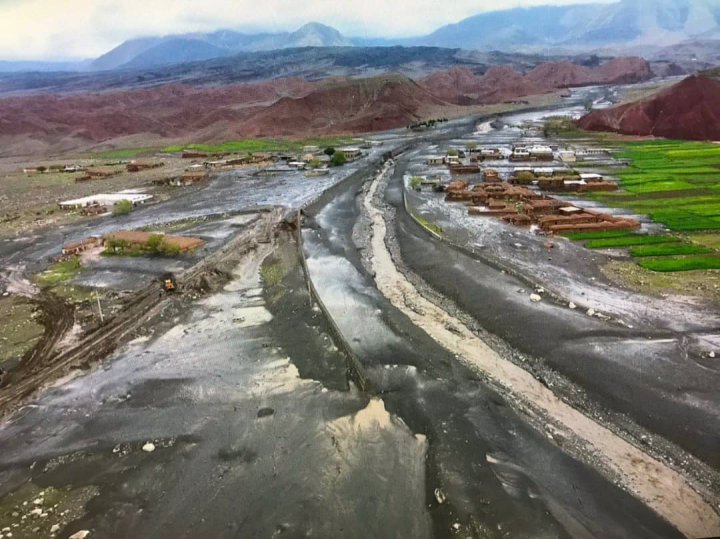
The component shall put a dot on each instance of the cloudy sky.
(63, 29)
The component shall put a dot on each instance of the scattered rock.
(440, 496)
(55, 528)
(36, 511)
(591, 312)
(549, 245)
(148, 448)
(82, 534)
(265, 412)
(572, 306)
(535, 298)
(711, 355)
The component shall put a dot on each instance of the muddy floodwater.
(350, 375)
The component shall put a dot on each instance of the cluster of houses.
(561, 180)
(521, 152)
(302, 159)
(522, 206)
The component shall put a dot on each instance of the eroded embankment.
(146, 303)
(663, 489)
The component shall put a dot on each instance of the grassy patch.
(704, 284)
(260, 145)
(710, 240)
(629, 241)
(60, 272)
(581, 236)
(20, 330)
(681, 263)
(272, 273)
(129, 153)
(669, 249)
(432, 227)
(415, 182)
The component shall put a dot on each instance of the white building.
(591, 177)
(105, 200)
(350, 152)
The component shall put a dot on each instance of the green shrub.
(123, 207)
(338, 159)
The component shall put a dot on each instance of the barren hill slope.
(357, 105)
(688, 110)
(498, 84)
(281, 107)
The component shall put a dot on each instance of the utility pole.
(97, 298)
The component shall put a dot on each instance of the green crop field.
(669, 249)
(676, 183)
(629, 241)
(688, 263)
(260, 145)
(581, 236)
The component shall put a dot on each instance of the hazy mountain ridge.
(639, 27)
(174, 49)
(628, 22)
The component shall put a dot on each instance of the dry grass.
(703, 284)
(29, 201)
(20, 330)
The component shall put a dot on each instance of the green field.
(581, 236)
(676, 183)
(669, 249)
(59, 272)
(628, 241)
(687, 263)
(260, 145)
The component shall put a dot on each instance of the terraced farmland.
(677, 184)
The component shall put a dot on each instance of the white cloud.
(53, 29)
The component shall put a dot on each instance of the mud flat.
(663, 489)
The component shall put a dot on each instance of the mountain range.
(46, 123)
(627, 26)
(175, 49)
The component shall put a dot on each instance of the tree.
(471, 146)
(315, 163)
(41, 169)
(155, 243)
(338, 159)
(123, 207)
(329, 151)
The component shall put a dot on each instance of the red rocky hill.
(688, 110)
(499, 84)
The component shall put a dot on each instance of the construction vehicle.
(169, 283)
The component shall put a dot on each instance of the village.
(164, 175)
(525, 183)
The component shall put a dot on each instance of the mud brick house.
(80, 246)
(137, 167)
